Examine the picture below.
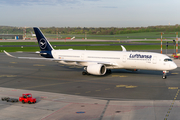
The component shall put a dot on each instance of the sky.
(89, 13)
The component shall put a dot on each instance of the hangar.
(9, 36)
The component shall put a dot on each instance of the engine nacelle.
(96, 69)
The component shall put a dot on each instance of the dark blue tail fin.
(42, 41)
(44, 44)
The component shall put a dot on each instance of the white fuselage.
(119, 59)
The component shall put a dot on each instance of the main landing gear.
(108, 71)
(164, 74)
(85, 71)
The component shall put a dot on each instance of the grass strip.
(116, 48)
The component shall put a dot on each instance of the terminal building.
(9, 36)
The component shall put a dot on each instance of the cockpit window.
(167, 59)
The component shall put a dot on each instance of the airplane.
(101, 62)
(73, 38)
(33, 35)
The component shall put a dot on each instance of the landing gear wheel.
(164, 74)
(164, 77)
(84, 73)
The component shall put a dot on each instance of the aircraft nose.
(173, 66)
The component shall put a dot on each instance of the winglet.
(123, 48)
(9, 54)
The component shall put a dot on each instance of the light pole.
(174, 45)
(161, 43)
(166, 47)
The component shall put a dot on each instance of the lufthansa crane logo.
(42, 43)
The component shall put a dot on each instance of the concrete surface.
(54, 106)
(64, 94)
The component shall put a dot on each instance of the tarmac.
(54, 106)
(63, 93)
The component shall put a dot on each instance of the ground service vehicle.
(27, 98)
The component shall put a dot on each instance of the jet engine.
(96, 69)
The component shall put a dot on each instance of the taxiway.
(120, 95)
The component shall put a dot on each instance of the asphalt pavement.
(64, 93)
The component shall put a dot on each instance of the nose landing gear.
(164, 74)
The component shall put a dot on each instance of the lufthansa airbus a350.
(101, 62)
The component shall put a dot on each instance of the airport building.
(9, 36)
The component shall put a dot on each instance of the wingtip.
(8, 54)
(123, 48)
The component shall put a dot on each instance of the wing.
(65, 60)
(37, 58)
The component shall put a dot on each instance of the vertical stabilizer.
(42, 41)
